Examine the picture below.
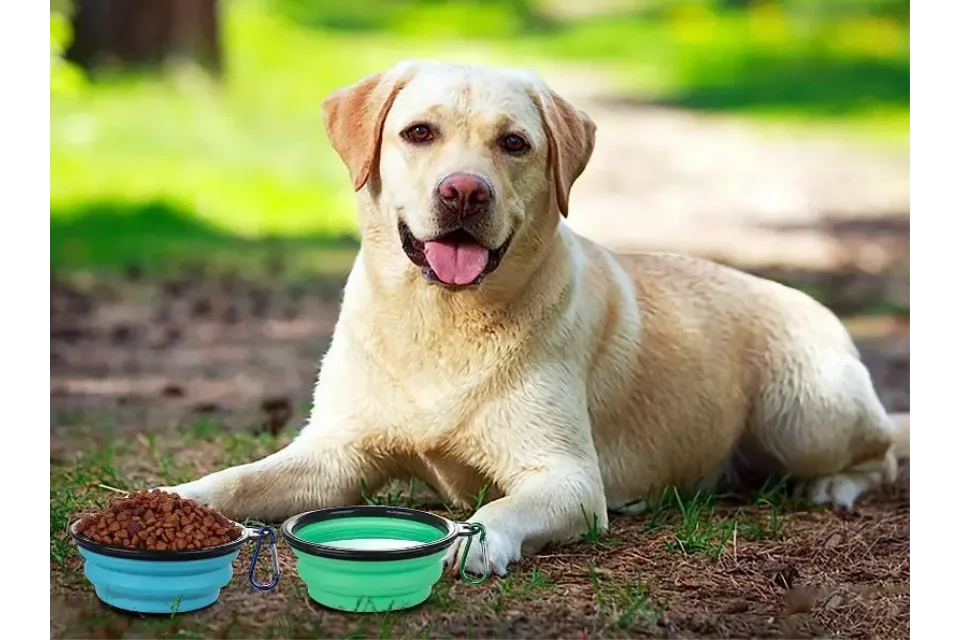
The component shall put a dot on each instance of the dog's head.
(460, 163)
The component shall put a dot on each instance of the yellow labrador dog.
(482, 342)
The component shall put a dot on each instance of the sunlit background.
(155, 161)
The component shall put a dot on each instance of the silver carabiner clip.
(471, 529)
(260, 534)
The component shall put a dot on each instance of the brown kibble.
(158, 521)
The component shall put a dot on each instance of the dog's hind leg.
(819, 420)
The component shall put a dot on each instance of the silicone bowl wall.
(367, 580)
(167, 582)
(376, 586)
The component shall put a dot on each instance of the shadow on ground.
(809, 85)
(159, 236)
(873, 263)
(817, 86)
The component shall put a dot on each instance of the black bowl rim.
(165, 555)
(451, 529)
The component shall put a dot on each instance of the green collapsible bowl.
(373, 558)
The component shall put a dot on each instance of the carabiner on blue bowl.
(271, 536)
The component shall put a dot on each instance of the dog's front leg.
(550, 478)
(549, 501)
(314, 471)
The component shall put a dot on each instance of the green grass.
(393, 495)
(520, 587)
(173, 169)
(698, 524)
(74, 487)
(625, 605)
(594, 534)
(768, 62)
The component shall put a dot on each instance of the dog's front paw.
(500, 552)
(198, 490)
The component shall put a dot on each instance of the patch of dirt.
(664, 179)
(143, 356)
(135, 354)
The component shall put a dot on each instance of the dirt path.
(672, 180)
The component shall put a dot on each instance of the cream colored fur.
(573, 381)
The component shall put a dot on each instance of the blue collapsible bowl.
(170, 582)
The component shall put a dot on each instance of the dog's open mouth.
(455, 259)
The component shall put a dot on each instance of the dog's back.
(730, 372)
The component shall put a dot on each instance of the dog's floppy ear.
(353, 117)
(571, 134)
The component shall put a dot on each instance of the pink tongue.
(456, 263)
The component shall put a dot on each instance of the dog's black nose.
(464, 195)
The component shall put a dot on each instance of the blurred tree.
(145, 32)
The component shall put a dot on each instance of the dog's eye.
(418, 134)
(514, 144)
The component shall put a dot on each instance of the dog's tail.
(900, 423)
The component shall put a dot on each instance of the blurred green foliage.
(487, 19)
(65, 77)
(175, 167)
(830, 65)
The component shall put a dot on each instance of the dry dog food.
(159, 521)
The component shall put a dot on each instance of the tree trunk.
(135, 33)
